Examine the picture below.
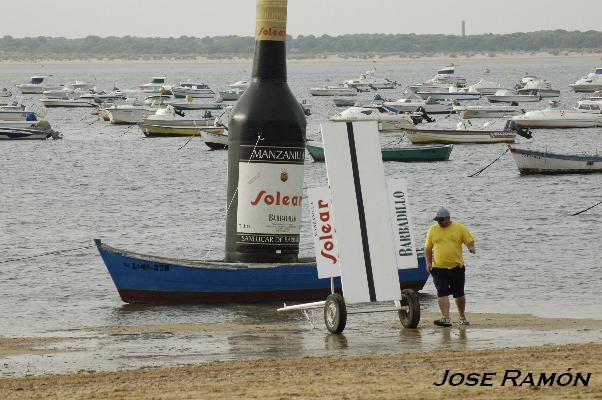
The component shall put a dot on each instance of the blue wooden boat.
(147, 279)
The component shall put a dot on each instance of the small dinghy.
(41, 132)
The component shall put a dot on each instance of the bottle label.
(271, 20)
(270, 188)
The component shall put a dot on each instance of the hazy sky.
(78, 18)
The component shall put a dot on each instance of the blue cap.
(441, 214)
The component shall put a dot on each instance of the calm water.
(110, 182)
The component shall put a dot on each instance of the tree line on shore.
(351, 44)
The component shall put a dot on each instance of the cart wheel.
(335, 313)
(409, 314)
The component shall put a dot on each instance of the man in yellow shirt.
(444, 261)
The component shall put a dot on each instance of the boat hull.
(409, 154)
(177, 131)
(538, 162)
(147, 279)
(459, 136)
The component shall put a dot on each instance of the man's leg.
(444, 305)
(461, 304)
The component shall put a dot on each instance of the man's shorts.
(449, 281)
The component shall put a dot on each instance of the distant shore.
(333, 58)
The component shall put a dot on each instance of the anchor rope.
(490, 164)
(259, 138)
(48, 253)
(588, 208)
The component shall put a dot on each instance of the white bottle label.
(270, 189)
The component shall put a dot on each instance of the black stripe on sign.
(361, 212)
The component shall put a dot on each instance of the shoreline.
(391, 376)
(336, 58)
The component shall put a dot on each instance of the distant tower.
(463, 28)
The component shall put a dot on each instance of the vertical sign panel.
(359, 196)
(401, 223)
(322, 224)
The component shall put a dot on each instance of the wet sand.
(401, 375)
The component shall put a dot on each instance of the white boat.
(215, 140)
(67, 102)
(459, 136)
(169, 116)
(539, 87)
(487, 111)
(81, 86)
(231, 94)
(485, 87)
(36, 85)
(590, 83)
(545, 162)
(555, 118)
(195, 90)
(41, 131)
(511, 96)
(524, 80)
(130, 111)
(244, 84)
(333, 90)
(369, 80)
(388, 119)
(412, 102)
(196, 105)
(447, 76)
(155, 85)
(589, 105)
(104, 97)
(17, 113)
(157, 99)
(452, 93)
(20, 124)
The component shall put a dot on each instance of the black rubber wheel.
(335, 313)
(409, 315)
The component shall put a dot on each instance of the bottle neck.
(269, 62)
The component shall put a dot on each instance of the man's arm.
(428, 256)
(471, 247)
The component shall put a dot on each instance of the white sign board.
(401, 223)
(322, 224)
(363, 228)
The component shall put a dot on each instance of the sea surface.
(160, 197)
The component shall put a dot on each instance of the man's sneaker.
(463, 321)
(443, 322)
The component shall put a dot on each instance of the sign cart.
(361, 227)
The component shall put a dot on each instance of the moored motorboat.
(130, 111)
(197, 90)
(539, 87)
(147, 279)
(464, 134)
(333, 90)
(369, 80)
(590, 83)
(66, 101)
(230, 94)
(545, 162)
(156, 85)
(388, 119)
(42, 131)
(512, 96)
(401, 154)
(487, 111)
(452, 93)
(557, 118)
(36, 85)
(485, 87)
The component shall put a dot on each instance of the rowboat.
(152, 130)
(402, 154)
(142, 278)
(544, 162)
(215, 140)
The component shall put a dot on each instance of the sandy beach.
(380, 376)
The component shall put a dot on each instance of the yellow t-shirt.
(447, 244)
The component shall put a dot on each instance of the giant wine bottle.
(266, 150)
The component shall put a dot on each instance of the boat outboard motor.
(425, 116)
(179, 112)
(207, 114)
(524, 132)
